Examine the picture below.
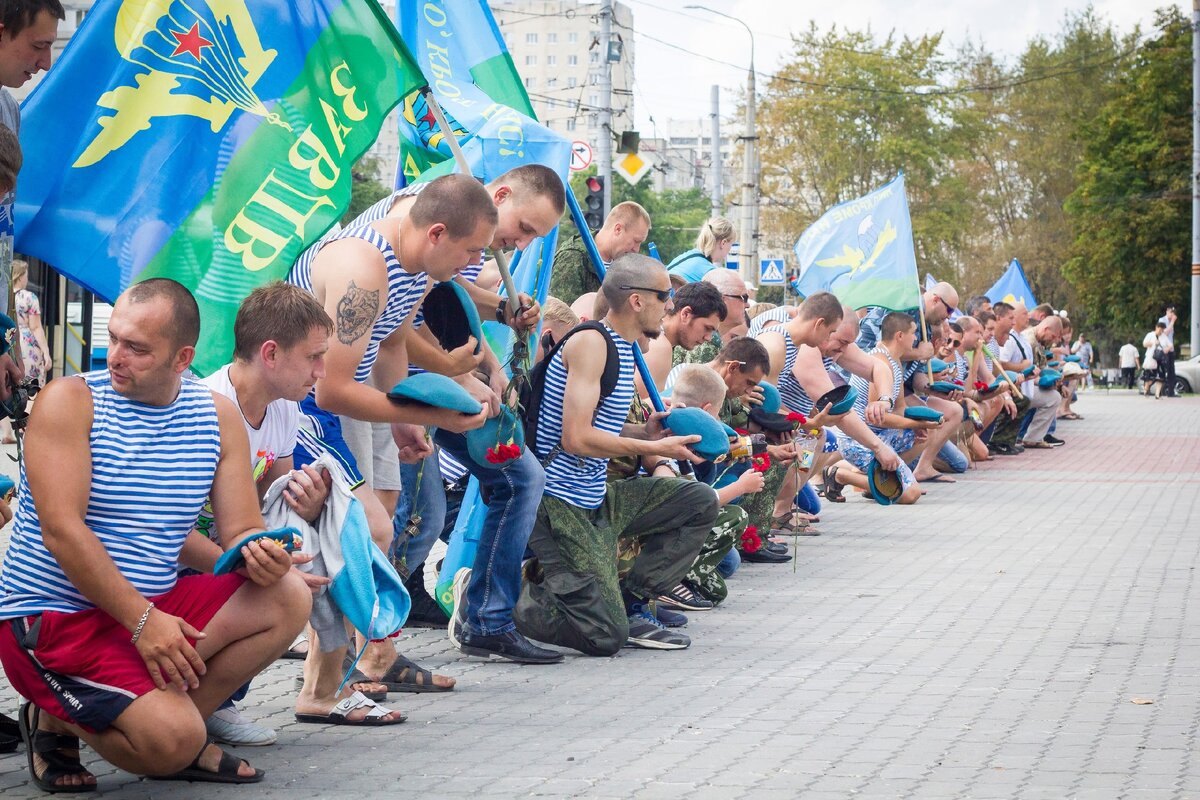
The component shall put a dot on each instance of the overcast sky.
(674, 84)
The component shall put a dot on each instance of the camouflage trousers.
(574, 596)
(760, 507)
(1007, 428)
(703, 576)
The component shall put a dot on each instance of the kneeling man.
(96, 630)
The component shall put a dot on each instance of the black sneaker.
(511, 646)
(1053, 441)
(682, 598)
(668, 617)
(647, 632)
(764, 556)
(1001, 449)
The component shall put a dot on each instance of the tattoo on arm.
(356, 311)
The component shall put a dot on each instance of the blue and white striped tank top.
(404, 290)
(575, 479)
(863, 387)
(152, 470)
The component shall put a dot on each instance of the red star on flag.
(190, 42)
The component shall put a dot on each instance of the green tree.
(366, 189)
(1129, 212)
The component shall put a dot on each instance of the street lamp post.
(748, 258)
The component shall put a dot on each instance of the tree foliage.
(1130, 208)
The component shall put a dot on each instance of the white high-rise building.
(555, 45)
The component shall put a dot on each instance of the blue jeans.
(807, 499)
(513, 495)
(730, 563)
(421, 492)
(953, 458)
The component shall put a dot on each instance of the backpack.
(530, 391)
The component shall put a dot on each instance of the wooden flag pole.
(514, 300)
(924, 328)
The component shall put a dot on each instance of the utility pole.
(604, 146)
(717, 200)
(1195, 309)
(749, 246)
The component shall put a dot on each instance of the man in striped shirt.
(574, 597)
(94, 619)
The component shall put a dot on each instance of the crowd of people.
(139, 598)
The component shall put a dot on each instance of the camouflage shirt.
(572, 274)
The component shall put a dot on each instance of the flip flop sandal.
(10, 734)
(227, 771)
(340, 715)
(294, 654)
(356, 677)
(49, 747)
(408, 676)
(832, 488)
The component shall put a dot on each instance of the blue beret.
(923, 413)
(937, 365)
(1048, 378)
(1055, 363)
(451, 316)
(1013, 376)
(1073, 358)
(713, 443)
(885, 485)
(496, 431)
(771, 400)
(945, 387)
(435, 390)
(1028, 370)
(6, 485)
(840, 400)
(288, 538)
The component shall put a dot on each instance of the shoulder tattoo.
(355, 313)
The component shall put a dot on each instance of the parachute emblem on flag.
(871, 240)
(417, 113)
(201, 58)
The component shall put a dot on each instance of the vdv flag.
(862, 251)
(1013, 287)
(471, 72)
(208, 141)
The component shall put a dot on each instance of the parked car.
(1187, 375)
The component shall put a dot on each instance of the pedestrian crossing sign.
(770, 272)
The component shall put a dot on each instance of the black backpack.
(531, 389)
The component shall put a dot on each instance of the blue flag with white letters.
(862, 251)
(1013, 287)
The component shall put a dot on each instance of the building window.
(551, 38)
(551, 83)
(531, 38)
(531, 61)
(551, 61)
(593, 99)
(570, 123)
(594, 57)
(572, 38)
(572, 60)
(571, 83)
(529, 83)
(549, 123)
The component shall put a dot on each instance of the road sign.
(770, 272)
(632, 167)
(581, 156)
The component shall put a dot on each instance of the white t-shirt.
(1128, 354)
(1014, 352)
(274, 439)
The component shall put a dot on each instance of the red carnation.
(741, 431)
(751, 542)
(502, 453)
(957, 382)
(981, 386)
(796, 418)
(760, 462)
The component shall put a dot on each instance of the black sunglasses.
(942, 300)
(663, 295)
(955, 342)
(745, 298)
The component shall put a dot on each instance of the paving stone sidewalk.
(987, 643)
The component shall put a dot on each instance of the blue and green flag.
(209, 141)
(1013, 287)
(862, 251)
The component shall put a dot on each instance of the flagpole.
(924, 329)
(514, 301)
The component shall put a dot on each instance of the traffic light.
(593, 204)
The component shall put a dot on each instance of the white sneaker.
(228, 726)
(458, 614)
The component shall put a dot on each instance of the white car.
(1187, 375)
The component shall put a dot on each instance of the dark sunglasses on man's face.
(956, 342)
(663, 295)
(745, 298)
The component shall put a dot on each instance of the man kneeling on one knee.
(574, 597)
(96, 630)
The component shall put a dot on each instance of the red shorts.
(82, 667)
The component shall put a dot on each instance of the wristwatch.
(669, 464)
(891, 401)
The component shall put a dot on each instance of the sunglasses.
(949, 308)
(955, 342)
(663, 295)
(745, 298)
